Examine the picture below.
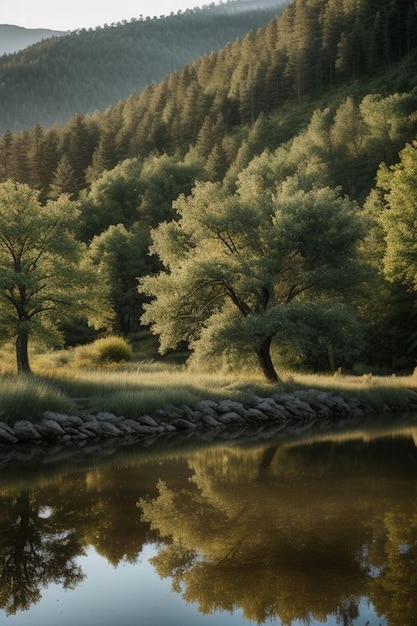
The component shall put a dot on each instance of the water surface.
(286, 531)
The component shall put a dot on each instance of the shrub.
(105, 351)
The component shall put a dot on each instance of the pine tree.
(64, 180)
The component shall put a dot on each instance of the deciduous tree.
(44, 274)
(393, 203)
(234, 265)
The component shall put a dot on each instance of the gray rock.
(187, 412)
(298, 408)
(50, 429)
(132, 427)
(271, 409)
(229, 406)
(6, 437)
(140, 429)
(89, 432)
(63, 420)
(7, 428)
(230, 418)
(109, 429)
(168, 428)
(91, 425)
(25, 431)
(73, 433)
(182, 424)
(341, 405)
(106, 416)
(256, 415)
(146, 420)
(203, 405)
(199, 413)
(210, 420)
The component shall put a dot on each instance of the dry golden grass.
(138, 387)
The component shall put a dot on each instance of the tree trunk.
(22, 355)
(266, 460)
(330, 354)
(265, 361)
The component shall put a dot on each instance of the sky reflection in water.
(272, 533)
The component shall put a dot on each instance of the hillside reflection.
(279, 530)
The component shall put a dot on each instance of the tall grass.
(378, 391)
(140, 388)
(148, 387)
(29, 397)
(136, 392)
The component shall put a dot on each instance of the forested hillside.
(91, 69)
(14, 38)
(260, 175)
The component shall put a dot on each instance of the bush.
(105, 351)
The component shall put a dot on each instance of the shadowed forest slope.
(91, 69)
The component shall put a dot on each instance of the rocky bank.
(295, 412)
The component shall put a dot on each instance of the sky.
(74, 14)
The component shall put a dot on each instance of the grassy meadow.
(72, 381)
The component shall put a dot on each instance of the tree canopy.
(44, 272)
(237, 267)
(393, 203)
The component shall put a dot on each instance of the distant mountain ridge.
(88, 70)
(16, 38)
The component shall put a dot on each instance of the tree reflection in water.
(290, 533)
(43, 531)
(36, 548)
(286, 530)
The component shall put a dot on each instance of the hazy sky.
(73, 14)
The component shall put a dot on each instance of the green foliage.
(320, 336)
(121, 257)
(45, 276)
(394, 207)
(235, 262)
(112, 199)
(105, 351)
(137, 190)
(392, 245)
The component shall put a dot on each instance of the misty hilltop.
(16, 38)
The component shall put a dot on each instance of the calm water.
(320, 530)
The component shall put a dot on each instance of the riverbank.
(295, 412)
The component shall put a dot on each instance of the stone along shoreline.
(295, 412)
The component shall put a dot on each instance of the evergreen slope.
(88, 70)
(282, 71)
(323, 95)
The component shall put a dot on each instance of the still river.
(280, 530)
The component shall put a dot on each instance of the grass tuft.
(29, 397)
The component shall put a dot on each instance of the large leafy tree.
(121, 256)
(394, 204)
(237, 267)
(392, 242)
(44, 273)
